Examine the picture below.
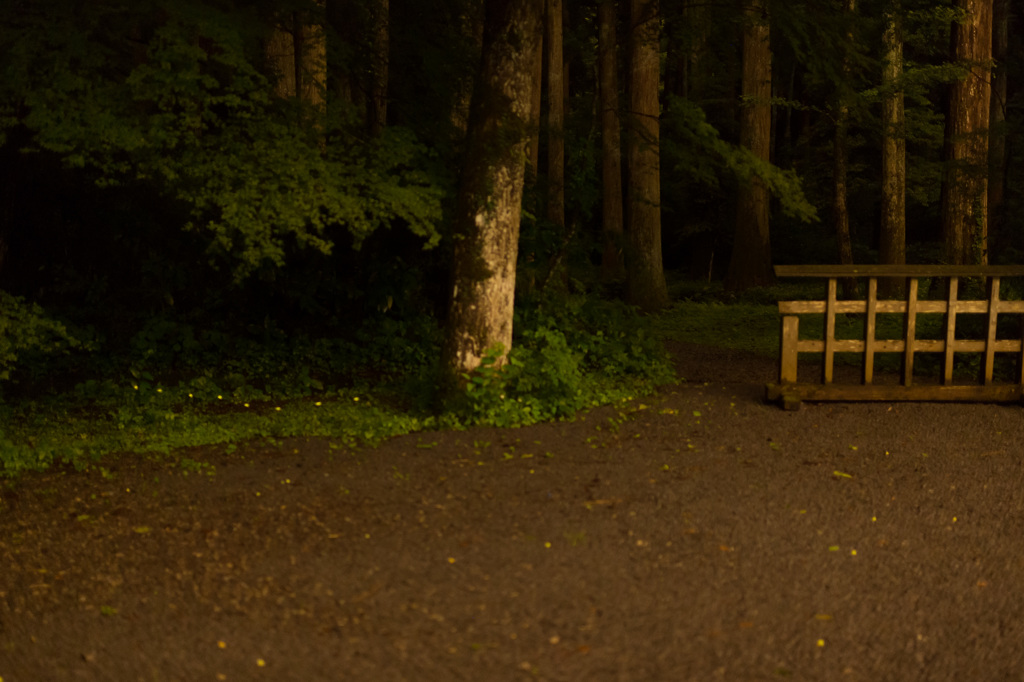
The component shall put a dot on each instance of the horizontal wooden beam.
(881, 307)
(899, 270)
(900, 346)
(793, 393)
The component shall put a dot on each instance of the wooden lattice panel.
(789, 389)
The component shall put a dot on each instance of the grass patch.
(180, 386)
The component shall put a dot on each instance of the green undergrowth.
(567, 356)
(177, 385)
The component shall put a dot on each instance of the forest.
(234, 219)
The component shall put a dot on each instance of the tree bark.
(965, 200)
(377, 115)
(555, 212)
(840, 158)
(892, 248)
(751, 262)
(611, 148)
(490, 189)
(298, 51)
(646, 286)
(997, 116)
(471, 23)
(535, 108)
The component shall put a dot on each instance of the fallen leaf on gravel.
(142, 529)
(841, 474)
(593, 503)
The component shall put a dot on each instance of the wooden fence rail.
(790, 392)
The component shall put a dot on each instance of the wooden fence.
(790, 392)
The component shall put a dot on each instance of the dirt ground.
(700, 534)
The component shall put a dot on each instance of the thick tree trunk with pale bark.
(751, 262)
(645, 272)
(892, 247)
(491, 187)
(612, 266)
(965, 196)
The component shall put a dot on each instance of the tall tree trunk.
(840, 213)
(997, 116)
(751, 262)
(965, 200)
(645, 270)
(380, 32)
(298, 51)
(491, 188)
(471, 23)
(892, 248)
(555, 211)
(535, 106)
(611, 149)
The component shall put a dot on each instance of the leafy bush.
(569, 354)
(25, 328)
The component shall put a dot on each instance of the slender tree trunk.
(751, 262)
(892, 249)
(965, 200)
(555, 211)
(491, 188)
(840, 213)
(471, 22)
(380, 32)
(535, 107)
(611, 149)
(349, 94)
(556, 114)
(298, 51)
(645, 271)
(997, 116)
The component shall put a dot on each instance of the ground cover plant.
(176, 386)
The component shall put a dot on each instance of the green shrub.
(25, 329)
(568, 354)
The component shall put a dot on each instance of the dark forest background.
(257, 197)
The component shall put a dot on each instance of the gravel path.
(697, 535)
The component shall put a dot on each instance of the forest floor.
(697, 534)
